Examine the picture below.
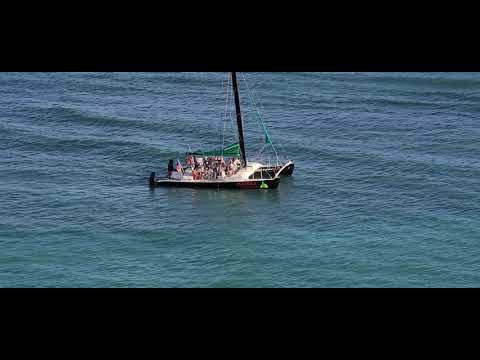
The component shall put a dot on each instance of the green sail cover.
(229, 151)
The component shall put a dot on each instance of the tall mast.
(239, 119)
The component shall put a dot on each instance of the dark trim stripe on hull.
(244, 185)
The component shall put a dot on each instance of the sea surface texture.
(386, 191)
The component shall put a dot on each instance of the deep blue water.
(386, 191)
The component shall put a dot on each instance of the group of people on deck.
(206, 168)
(212, 168)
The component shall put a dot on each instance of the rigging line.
(226, 113)
(262, 123)
(259, 153)
(259, 105)
(260, 116)
(226, 83)
(278, 145)
(232, 120)
(227, 109)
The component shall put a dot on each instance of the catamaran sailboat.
(245, 174)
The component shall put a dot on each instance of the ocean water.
(386, 191)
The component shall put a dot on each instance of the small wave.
(63, 115)
(425, 80)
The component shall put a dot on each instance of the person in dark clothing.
(170, 168)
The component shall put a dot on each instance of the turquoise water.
(386, 191)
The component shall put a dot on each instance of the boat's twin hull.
(269, 184)
(273, 171)
(264, 184)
